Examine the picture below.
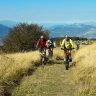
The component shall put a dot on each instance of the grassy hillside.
(20, 75)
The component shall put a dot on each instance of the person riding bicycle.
(42, 44)
(68, 44)
(77, 44)
(50, 45)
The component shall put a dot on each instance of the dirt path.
(48, 80)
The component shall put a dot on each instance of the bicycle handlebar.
(67, 49)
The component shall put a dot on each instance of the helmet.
(66, 36)
(42, 37)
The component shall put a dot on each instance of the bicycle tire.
(67, 63)
(50, 53)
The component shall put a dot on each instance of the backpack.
(50, 42)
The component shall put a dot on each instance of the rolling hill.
(5, 26)
(3, 32)
(8, 23)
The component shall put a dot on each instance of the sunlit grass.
(84, 74)
(15, 67)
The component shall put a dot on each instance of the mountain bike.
(77, 47)
(42, 57)
(67, 57)
(50, 52)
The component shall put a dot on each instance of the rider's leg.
(52, 50)
(70, 53)
(45, 51)
(40, 50)
(64, 55)
(70, 58)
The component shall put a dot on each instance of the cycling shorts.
(42, 49)
(51, 46)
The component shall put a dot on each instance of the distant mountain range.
(8, 23)
(5, 26)
(3, 30)
(81, 30)
(86, 29)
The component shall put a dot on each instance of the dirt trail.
(48, 80)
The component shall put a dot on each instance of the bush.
(23, 37)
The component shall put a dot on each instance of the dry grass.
(14, 66)
(84, 74)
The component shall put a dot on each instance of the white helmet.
(42, 37)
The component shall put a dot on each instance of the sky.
(50, 11)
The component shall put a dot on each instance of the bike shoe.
(64, 61)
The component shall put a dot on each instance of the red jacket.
(42, 43)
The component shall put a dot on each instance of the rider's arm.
(37, 44)
(62, 44)
(72, 43)
(47, 43)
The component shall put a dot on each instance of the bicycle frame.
(77, 47)
(67, 57)
(42, 57)
(50, 52)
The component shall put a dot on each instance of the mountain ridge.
(86, 29)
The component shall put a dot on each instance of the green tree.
(23, 37)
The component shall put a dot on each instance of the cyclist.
(42, 44)
(67, 43)
(77, 44)
(50, 45)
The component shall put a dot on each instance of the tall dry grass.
(84, 74)
(13, 67)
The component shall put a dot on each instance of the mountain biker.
(77, 44)
(50, 45)
(42, 44)
(67, 43)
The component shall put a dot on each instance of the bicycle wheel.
(50, 53)
(67, 63)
